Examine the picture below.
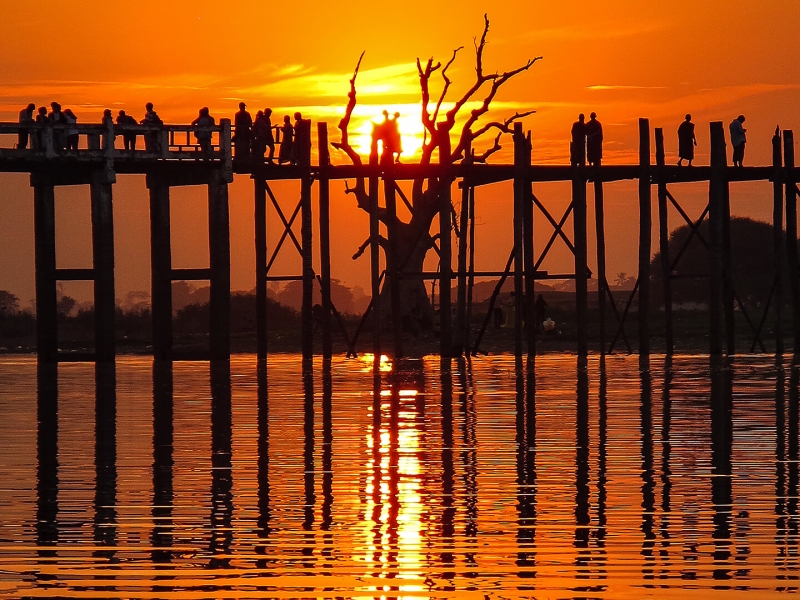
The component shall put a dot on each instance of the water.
(603, 483)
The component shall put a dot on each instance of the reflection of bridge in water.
(170, 162)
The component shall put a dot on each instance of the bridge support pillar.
(103, 261)
(44, 219)
(160, 268)
(581, 285)
(645, 242)
(219, 245)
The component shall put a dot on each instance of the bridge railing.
(106, 141)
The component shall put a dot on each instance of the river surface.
(233, 480)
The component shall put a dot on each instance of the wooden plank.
(75, 275)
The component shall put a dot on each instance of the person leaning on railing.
(25, 118)
(203, 120)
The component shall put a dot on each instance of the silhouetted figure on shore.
(128, 137)
(577, 146)
(686, 141)
(287, 141)
(242, 133)
(738, 140)
(56, 118)
(152, 141)
(302, 140)
(25, 118)
(204, 119)
(71, 132)
(540, 307)
(41, 120)
(594, 141)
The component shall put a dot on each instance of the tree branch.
(503, 127)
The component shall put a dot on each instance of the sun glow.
(409, 123)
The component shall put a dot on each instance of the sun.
(409, 123)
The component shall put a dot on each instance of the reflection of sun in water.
(409, 124)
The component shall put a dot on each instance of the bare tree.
(413, 238)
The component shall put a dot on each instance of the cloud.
(624, 87)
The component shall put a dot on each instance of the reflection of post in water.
(377, 501)
(162, 461)
(793, 524)
(526, 472)
(448, 475)
(721, 446)
(264, 514)
(105, 499)
(602, 476)
(47, 459)
(221, 475)
(781, 523)
(327, 460)
(648, 483)
(308, 463)
(582, 518)
(666, 452)
(469, 459)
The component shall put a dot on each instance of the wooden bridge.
(171, 158)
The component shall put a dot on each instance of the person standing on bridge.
(242, 134)
(302, 140)
(577, 146)
(203, 120)
(56, 117)
(25, 120)
(152, 143)
(128, 137)
(738, 140)
(268, 136)
(594, 141)
(72, 132)
(41, 120)
(686, 141)
(287, 141)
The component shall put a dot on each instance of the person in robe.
(242, 133)
(204, 119)
(287, 141)
(594, 141)
(686, 141)
(577, 145)
(25, 118)
(738, 140)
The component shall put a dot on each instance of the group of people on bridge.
(252, 138)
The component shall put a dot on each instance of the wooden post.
(600, 234)
(579, 228)
(519, 232)
(446, 269)
(225, 148)
(528, 257)
(306, 236)
(392, 263)
(716, 201)
(375, 256)
(160, 268)
(645, 226)
(44, 224)
(261, 266)
(727, 271)
(777, 236)
(325, 237)
(103, 261)
(791, 234)
(663, 242)
(471, 279)
(219, 245)
(461, 333)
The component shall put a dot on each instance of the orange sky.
(622, 58)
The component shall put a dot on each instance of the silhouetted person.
(540, 307)
(287, 141)
(259, 147)
(686, 141)
(594, 141)
(41, 119)
(128, 137)
(71, 132)
(108, 122)
(152, 142)
(302, 140)
(577, 146)
(738, 140)
(242, 134)
(25, 118)
(56, 117)
(269, 138)
(204, 119)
